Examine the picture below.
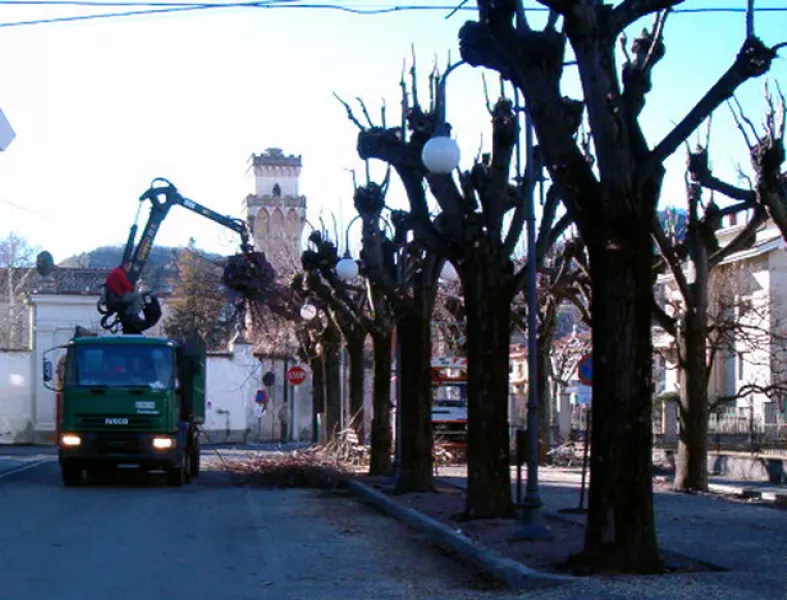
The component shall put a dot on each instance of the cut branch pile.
(324, 466)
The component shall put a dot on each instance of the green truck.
(128, 400)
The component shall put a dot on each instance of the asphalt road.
(133, 537)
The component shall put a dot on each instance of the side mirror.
(47, 370)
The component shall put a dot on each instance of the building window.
(276, 190)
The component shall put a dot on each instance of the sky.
(101, 107)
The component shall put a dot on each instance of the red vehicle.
(449, 403)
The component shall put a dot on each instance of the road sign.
(296, 375)
(259, 411)
(269, 378)
(585, 369)
(7, 133)
(262, 397)
(584, 395)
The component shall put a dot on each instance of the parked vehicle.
(449, 400)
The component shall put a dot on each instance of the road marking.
(25, 467)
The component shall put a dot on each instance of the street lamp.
(533, 526)
(448, 272)
(308, 312)
(347, 268)
(441, 153)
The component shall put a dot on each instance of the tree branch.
(668, 323)
(629, 11)
(673, 262)
(753, 60)
(743, 240)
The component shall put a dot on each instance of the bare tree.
(347, 305)
(17, 266)
(690, 327)
(403, 282)
(613, 207)
(766, 152)
(471, 231)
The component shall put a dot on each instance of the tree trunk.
(488, 452)
(544, 397)
(620, 532)
(691, 469)
(382, 435)
(318, 396)
(415, 446)
(357, 381)
(331, 347)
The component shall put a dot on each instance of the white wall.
(16, 391)
(27, 407)
(54, 318)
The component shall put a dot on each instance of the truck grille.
(118, 442)
(114, 422)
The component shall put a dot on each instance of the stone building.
(276, 211)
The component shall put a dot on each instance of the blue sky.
(102, 107)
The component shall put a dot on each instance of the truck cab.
(128, 400)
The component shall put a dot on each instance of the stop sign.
(296, 375)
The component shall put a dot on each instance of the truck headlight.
(70, 439)
(162, 443)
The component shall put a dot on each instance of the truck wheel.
(187, 460)
(194, 463)
(179, 474)
(175, 476)
(71, 475)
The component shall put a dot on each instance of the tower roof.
(275, 157)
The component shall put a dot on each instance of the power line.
(343, 7)
(168, 7)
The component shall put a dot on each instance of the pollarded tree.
(346, 302)
(471, 231)
(613, 207)
(403, 282)
(695, 326)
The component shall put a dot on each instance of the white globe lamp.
(441, 155)
(308, 312)
(448, 272)
(346, 269)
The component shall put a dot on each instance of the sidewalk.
(750, 541)
(20, 458)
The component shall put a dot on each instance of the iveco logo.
(116, 421)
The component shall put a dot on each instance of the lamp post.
(441, 153)
(533, 526)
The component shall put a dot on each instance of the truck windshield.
(119, 366)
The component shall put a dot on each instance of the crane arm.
(163, 195)
(162, 198)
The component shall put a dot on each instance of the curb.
(777, 498)
(505, 570)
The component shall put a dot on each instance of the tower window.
(276, 190)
